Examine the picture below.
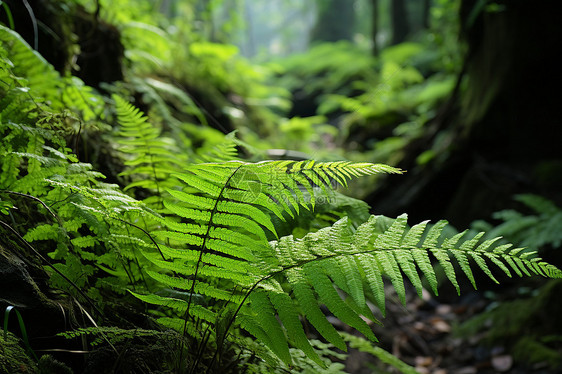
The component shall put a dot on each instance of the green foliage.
(237, 88)
(326, 68)
(110, 335)
(153, 157)
(12, 356)
(531, 230)
(301, 363)
(307, 134)
(26, 70)
(49, 365)
(355, 261)
(221, 243)
(504, 322)
(21, 325)
(239, 257)
(38, 167)
(522, 325)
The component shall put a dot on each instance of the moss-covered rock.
(13, 359)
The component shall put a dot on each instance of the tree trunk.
(425, 13)
(400, 23)
(502, 130)
(375, 26)
(336, 21)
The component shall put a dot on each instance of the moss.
(48, 365)
(13, 359)
(530, 350)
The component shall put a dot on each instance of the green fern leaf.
(407, 263)
(373, 275)
(392, 270)
(353, 277)
(265, 317)
(292, 324)
(329, 296)
(307, 301)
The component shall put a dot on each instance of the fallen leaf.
(443, 309)
(424, 361)
(502, 363)
(440, 325)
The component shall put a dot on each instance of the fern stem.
(199, 260)
(144, 231)
(39, 201)
(201, 348)
(231, 321)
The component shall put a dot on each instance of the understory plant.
(225, 237)
(220, 253)
(213, 244)
(502, 323)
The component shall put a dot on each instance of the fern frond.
(353, 260)
(224, 215)
(235, 196)
(305, 297)
(153, 157)
(40, 75)
(222, 221)
(292, 324)
(221, 152)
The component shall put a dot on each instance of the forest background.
(459, 94)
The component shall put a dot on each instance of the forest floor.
(423, 334)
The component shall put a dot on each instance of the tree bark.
(400, 23)
(375, 26)
(336, 21)
(425, 13)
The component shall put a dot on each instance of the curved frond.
(337, 265)
(222, 230)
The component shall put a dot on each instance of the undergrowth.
(507, 317)
(236, 259)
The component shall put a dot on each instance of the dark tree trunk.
(400, 23)
(375, 25)
(425, 13)
(336, 21)
(503, 129)
(101, 51)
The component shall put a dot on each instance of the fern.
(47, 87)
(111, 335)
(502, 323)
(76, 223)
(226, 223)
(539, 229)
(219, 237)
(396, 251)
(154, 158)
(216, 251)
